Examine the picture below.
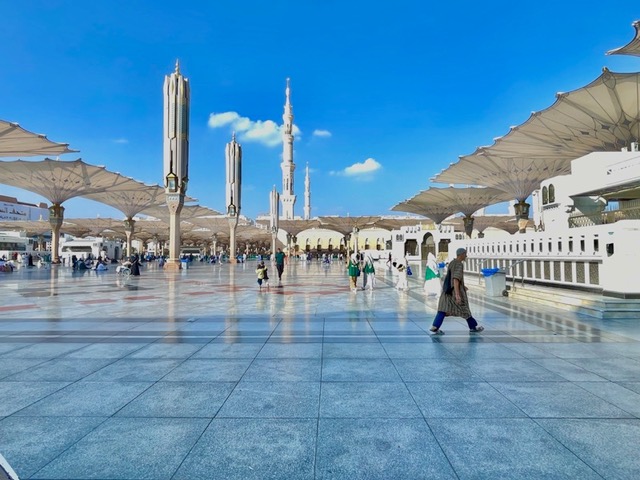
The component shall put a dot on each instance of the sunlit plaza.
(152, 346)
(201, 374)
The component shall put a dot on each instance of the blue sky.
(385, 94)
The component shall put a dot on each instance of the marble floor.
(201, 375)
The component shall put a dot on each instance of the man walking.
(279, 263)
(453, 300)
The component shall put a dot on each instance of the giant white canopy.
(15, 141)
(602, 116)
(631, 48)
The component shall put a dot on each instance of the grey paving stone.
(354, 350)
(166, 350)
(179, 399)
(634, 386)
(60, 370)
(29, 443)
(417, 350)
(617, 395)
(10, 366)
(106, 350)
(228, 350)
(18, 395)
(284, 370)
(434, 370)
(506, 448)
(87, 399)
(461, 400)
(246, 449)
(134, 370)
(370, 449)
(291, 350)
(514, 370)
(211, 370)
(44, 350)
(366, 400)
(480, 350)
(359, 370)
(273, 400)
(568, 370)
(128, 448)
(615, 369)
(6, 348)
(558, 400)
(608, 446)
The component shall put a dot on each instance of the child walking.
(261, 272)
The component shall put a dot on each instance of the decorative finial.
(177, 66)
(233, 137)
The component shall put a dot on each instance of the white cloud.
(121, 140)
(366, 167)
(360, 171)
(267, 132)
(221, 119)
(321, 133)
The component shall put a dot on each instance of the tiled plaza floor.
(198, 375)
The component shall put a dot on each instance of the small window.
(610, 249)
(582, 245)
(545, 195)
(570, 245)
(552, 194)
(559, 246)
(596, 245)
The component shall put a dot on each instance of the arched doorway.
(411, 247)
(428, 246)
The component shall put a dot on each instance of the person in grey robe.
(453, 300)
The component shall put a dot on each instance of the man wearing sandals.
(454, 302)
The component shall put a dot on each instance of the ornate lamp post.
(354, 236)
(233, 157)
(129, 225)
(274, 213)
(56, 217)
(522, 214)
(176, 156)
(468, 224)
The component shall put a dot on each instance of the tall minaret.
(176, 156)
(307, 194)
(287, 196)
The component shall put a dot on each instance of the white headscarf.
(432, 264)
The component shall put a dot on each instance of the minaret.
(287, 196)
(176, 156)
(307, 194)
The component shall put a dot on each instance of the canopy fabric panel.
(31, 227)
(437, 213)
(98, 226)
(345, 225)
(602, 116)
(131, 202)
(188, 212)
(294, 227)
(463, 200)
(15, 141)
(58, 181)
(397, 223)
(518, 177)
(631, 48)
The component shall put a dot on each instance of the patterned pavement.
(199, 375)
